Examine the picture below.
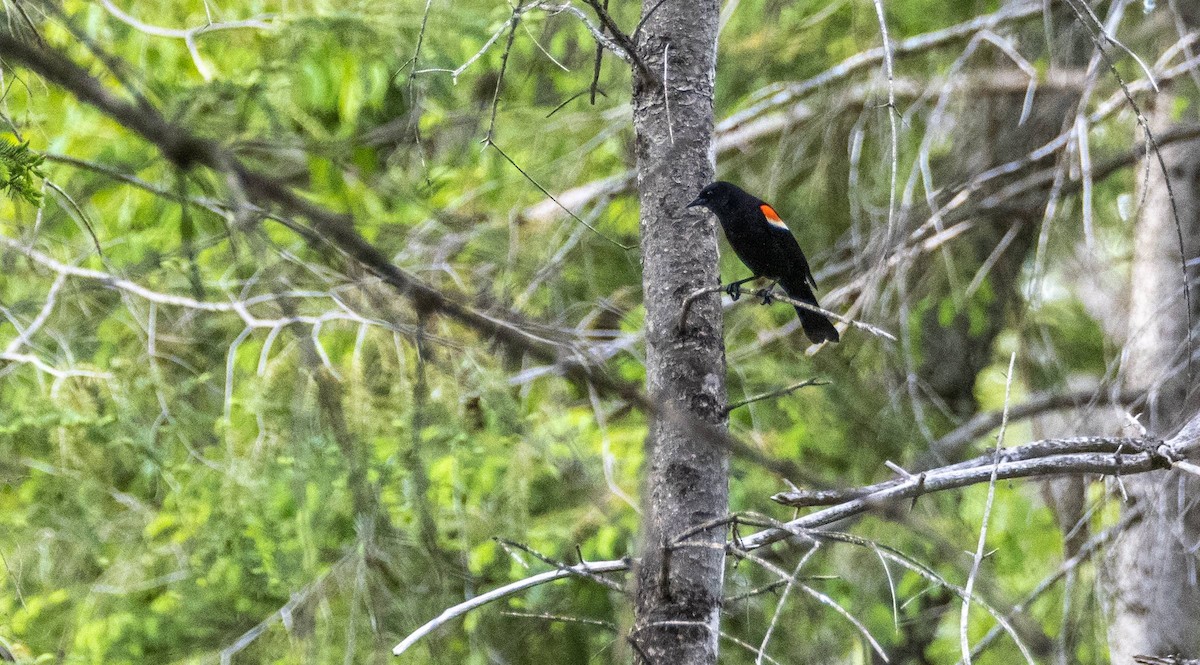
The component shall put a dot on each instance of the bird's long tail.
(816, 326)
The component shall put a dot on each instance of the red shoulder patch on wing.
(773, 217)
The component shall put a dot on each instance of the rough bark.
(1151, 575)
(678, 593)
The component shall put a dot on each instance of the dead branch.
(1054, 457)
(597, 32)
(1086, 551)
(781, 297)
(451, 613)
(1049, 457)
(785, 93)
(951, 445)
(185, 150)
(623, 41)
(964, 615)
(776, 393)
(189, 35)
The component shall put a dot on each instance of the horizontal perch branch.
(1105, 456)
(781, 297)
(957, 475)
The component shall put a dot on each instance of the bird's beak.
(695, 202)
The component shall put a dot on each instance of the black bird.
(765, 244)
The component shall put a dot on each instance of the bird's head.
(716, 196)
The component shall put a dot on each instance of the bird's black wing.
(788, 245)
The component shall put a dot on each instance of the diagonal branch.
(782, 94)
(951, 445)
(451, 613)
(623, 41)
(185, 150)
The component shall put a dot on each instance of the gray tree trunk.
(679, 588)
(1151, 572)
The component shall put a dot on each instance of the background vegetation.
(248, 448)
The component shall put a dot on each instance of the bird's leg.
(734, 289)
(767, 294)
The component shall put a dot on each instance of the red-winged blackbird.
(765, 244)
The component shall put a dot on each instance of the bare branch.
(623, 40)
(40, 320)
(696, 295)
(1085, 552)
(1049, 457)
(951, 445)
(776, 393)
(283, 614)
(188, 35)
(239, 307)
(1038, 459)
(582, 569)
(185, 149)
(964, 641)
(1054, 457)
(1165, 660)
(786, 93)
(889, 70)
(790, 580)
(597, 32)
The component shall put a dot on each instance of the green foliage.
(18, 167)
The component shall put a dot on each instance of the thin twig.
(695, 295)
(608, 460)
(1145, 125)
(283, 614)
(558, 564)
(512, 34)
(776, 393)
(599, 60)
(924, 571)
(950, 446)
(790, 581)
(451, 613)
(782, 94)
(188, 35)
(562, 619)
(1085, 552)
(820, 597)
(889, 71)
(626, 44)
(550, 196)
(963, 640)
(597, 32)
(24, 336)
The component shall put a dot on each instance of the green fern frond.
(18, 167)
